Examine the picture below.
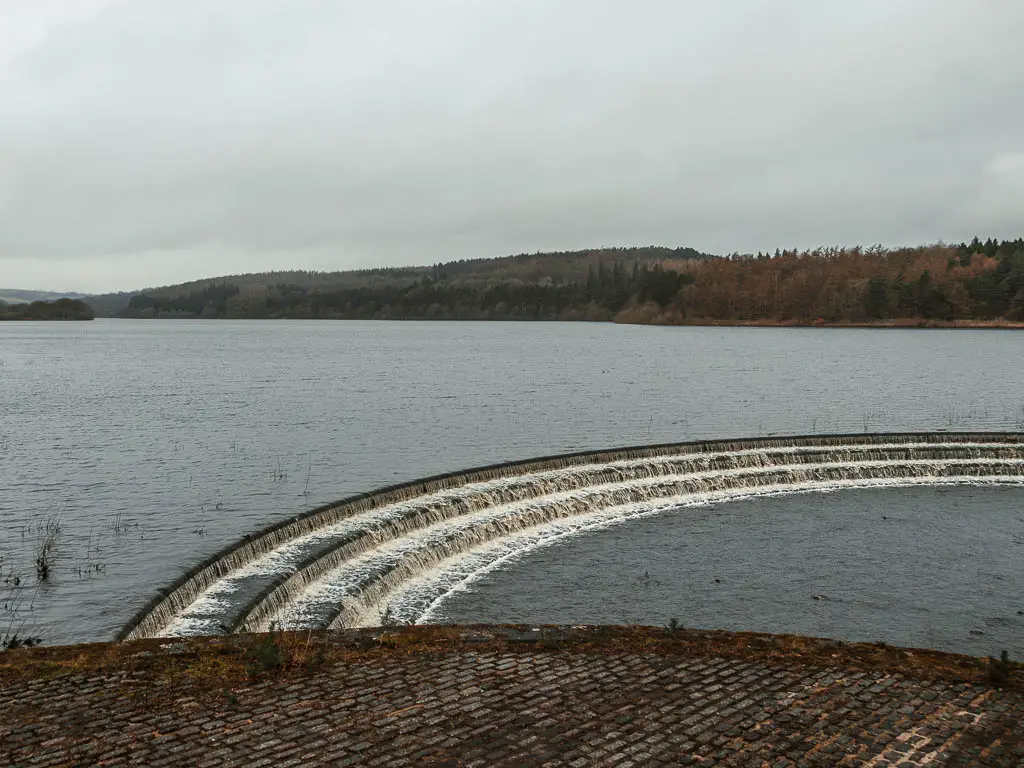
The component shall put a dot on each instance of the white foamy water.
(344, 582)
(420, 600)
(400, 559)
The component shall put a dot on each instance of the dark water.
(155, 443)
(927, 567)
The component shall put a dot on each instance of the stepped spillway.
(393, 554)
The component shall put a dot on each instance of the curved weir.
(407, 545)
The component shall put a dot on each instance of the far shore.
(902, 323)
(23, 319)
(997, 325)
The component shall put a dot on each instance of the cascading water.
(404, 547)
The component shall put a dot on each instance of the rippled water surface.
(155, 443)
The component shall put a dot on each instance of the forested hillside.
(61, 309)
(970, 281)
(977, 281)
(528, 287)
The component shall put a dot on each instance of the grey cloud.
(145, 141)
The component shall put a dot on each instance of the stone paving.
(493, 703)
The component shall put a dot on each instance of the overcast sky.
(144, 142)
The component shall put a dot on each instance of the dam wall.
(336, 564)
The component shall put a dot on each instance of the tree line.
(61, 309)
(605, 290)
(976, 281)
(980, 281)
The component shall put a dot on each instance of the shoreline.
(904, 324)
(899, 324)
(164, 655)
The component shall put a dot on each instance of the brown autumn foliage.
(980, 281)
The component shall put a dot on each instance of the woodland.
(61, 309)
(978, 282)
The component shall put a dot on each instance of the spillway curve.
(392, 554)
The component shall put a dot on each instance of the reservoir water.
(152, 444)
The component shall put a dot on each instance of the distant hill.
(17, 296)
(299, 293)
(979, 283)
(58, 309)
(110, 304)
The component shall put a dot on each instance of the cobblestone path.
(500, 705)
